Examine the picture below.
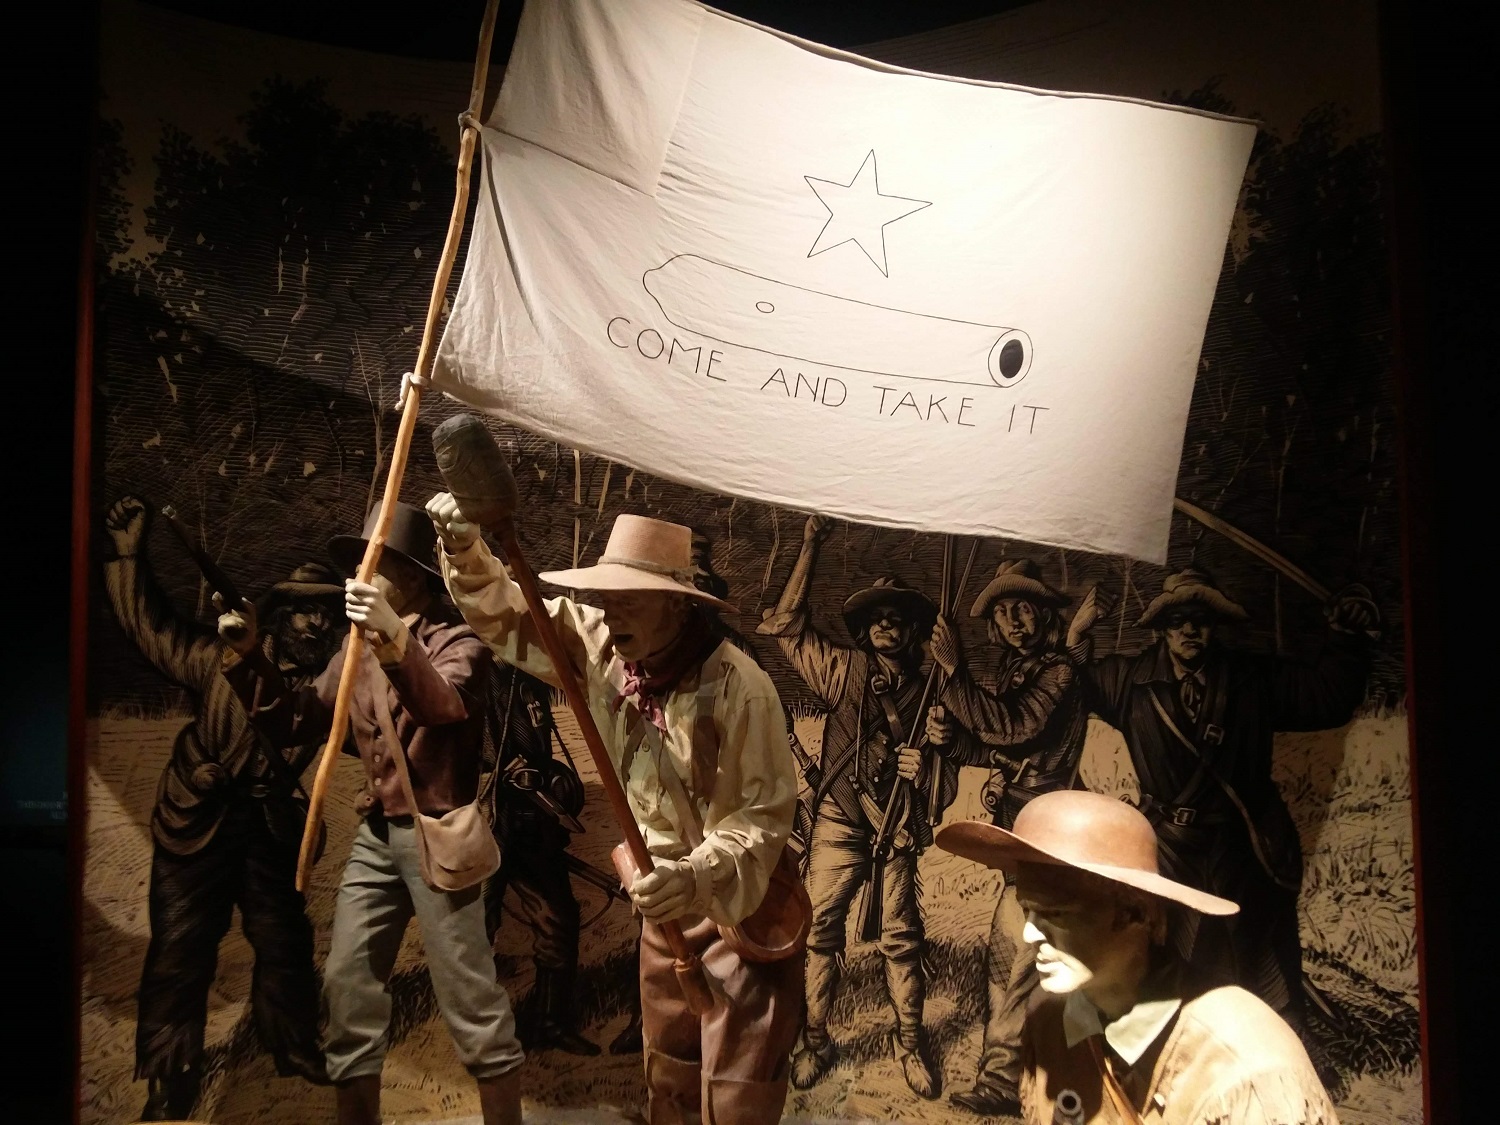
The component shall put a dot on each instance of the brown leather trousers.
(728, 1067)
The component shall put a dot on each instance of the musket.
(219, 582)
(591, 874)
(901, 791)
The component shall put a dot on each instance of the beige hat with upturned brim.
(642, 554)
(1075, 828)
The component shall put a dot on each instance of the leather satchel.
(456, 850)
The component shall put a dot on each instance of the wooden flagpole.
(412, 391)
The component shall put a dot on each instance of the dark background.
(1437, 70)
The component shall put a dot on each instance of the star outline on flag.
(863, 191)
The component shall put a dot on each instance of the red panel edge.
(78, 597)
(1424, 650)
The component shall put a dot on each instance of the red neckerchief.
(650, 686)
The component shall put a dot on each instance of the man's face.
(1018, 621)
(641, 622)
(1083, 939)
(400, 581)
(1188, 630)
(305, 633)
(889, 629)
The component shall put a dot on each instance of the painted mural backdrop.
(268, 220)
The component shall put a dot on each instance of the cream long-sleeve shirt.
(745, 808)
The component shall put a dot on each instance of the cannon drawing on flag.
(737, 307)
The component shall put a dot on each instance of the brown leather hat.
(1017, 578)
(1192, 586)
(889, 591)
(1075, 828)
(412, 536)
(310, 582)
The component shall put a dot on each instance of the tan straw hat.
(1089, 831)
(642, 554)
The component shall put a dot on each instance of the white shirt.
(745, 809)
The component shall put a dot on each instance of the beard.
(307, 651)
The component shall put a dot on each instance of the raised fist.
(1084, 617)
(238, 627)
(453, 527)
(1353, 610)
(126, 524)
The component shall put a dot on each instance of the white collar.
(1129, 1035)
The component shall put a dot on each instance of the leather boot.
(357, 1100)
(630, 1041)
(172, 1098)
(500, 1098)
(817, 1053)
(730, 1101)
(908, 990)
(552, 1025)
(673, 1090)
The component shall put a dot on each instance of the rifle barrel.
(221, 583)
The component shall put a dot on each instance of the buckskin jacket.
(434, 677)
(1221, 1058)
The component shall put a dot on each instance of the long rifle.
(948, 599)
(411, 403)
(219, 582)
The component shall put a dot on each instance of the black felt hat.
(412, 536)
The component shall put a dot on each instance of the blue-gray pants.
(381, 891)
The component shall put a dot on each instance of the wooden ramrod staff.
(412, 398)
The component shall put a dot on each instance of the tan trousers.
(728, 1067)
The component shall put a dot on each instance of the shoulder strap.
(380, 689)
(1229, 791)
(1123, 1105)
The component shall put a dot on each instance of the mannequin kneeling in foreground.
(1118, 1035)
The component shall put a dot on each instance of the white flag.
(767, 268)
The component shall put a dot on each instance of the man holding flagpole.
(698, 737)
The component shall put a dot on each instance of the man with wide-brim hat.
(1124, 1034)
(225, 828)
(1025, 719)
(698, 735)
(872, 690)
(1199, 718)
(424, 683)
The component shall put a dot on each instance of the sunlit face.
(641, 622)
(1188, 631)
(889, 629)
(1018, 622)
(401, 582)
(1079, 928)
